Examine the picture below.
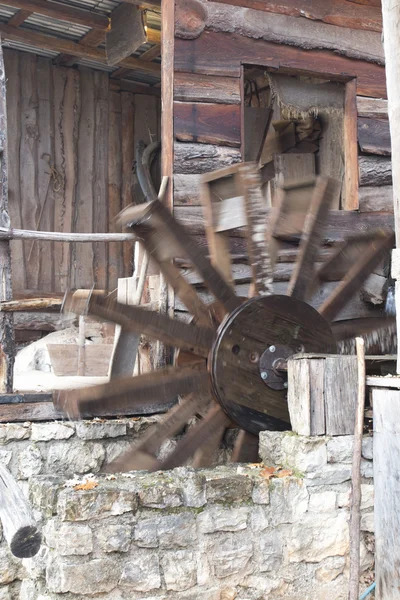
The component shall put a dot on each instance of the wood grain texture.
(350, 184)
(340, 394)
(373, 199)
(375, 170)
(387, 489)
(115, 264)
(203, 158)
(207, 123)
(187, 190)
(374, 136)
(167, 95)
(372, 108)
(335, 12)
(192, 87)
(198, 56)
(190, 19)
(128, 136)
(303, 33)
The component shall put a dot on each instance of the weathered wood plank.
(340, 391)
(335, 12)
(207, 123)
(387, 490)
(373, 108)
(193, 87)
(114, 186)
(167, 96)
(203, 158)
(83, 214)
(198, 56)
(11, 59)
(100, 188)
(374, 199)
(25, 397)
(128, 153)
(45, 220)
(374, 136)
(375, 170)
(350, 184)
(306, 34)
(187, 190)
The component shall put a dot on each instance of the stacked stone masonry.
(225, 533)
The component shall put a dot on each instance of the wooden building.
(233, 62)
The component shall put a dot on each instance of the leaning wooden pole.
(7, 345)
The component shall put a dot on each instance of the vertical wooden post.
(386, 404)
(391, 40)
(7, 346)
(350, 187)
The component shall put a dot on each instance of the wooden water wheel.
(231, 359)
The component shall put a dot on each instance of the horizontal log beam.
(49, 42)
(63, 12)
(53, 236)
(335, 12)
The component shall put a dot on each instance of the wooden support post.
(386, 461)
(19, 526)
(7, 346)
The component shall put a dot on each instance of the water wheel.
(231, 360)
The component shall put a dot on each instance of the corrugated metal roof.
(72, 31)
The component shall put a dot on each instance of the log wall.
(208, 100)
(71, 152)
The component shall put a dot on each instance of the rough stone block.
(30, 462)
(367, 522)
(141, 572)
(269, 550)
(224, 486)
(75, 457)
(312, 540)
(160, 491)
(368, 447)
(5, 593)
(35, 567)
(69, 538)
(193, 487)
(289, 500)
(231, 552)
(5, 457)
(270, 448)
(367, 496)
(177, 531)
(340, 449)
(180, 570)
(9, 566)
(322, 502)
(115, 448)
(259, 518)
(114, 537)
(304, 454)
(223, 519)
(84, 505)
(44, 432)
(43, 493)
(330, 475)
(97, 430)
(14, 431)
(83, 578)
(367, 468)
(330, 569)
(260, 493)
(146, 533)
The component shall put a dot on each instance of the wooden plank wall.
(208, 100)
(71, 150)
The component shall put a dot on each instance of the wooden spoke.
(192, 338)
(199, 436)
(205, 456)
(159, 219)
(142, 455)
(323, 195)
(256, 231)
(148, 393)
(356, 275)
(351, 328)
(246, 448)
(125, 353)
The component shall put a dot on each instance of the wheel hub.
(247, 362)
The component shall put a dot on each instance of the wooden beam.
(127, 33)
(151, 53)
(92, 38)
(19, 18)
(335, 12)
(167, 97)
(373, 108)
(153, 35)
(63, 12)
(125, 85)
(49, 42)
(350, 187)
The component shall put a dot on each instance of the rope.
(58, 178)
(368, 591)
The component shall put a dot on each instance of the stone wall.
(249, 532)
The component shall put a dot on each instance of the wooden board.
(191, 87)
(203, 158)
(207, 123)
(375, 170)
(375, 108)
(336, 12)
(64, 359)
(374, 199)
(198, 56)
(340, 392)
(350, 183)
(374, 136)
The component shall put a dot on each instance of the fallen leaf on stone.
(268, 472)
(256, 465)
(284, 473)
(88, 485)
